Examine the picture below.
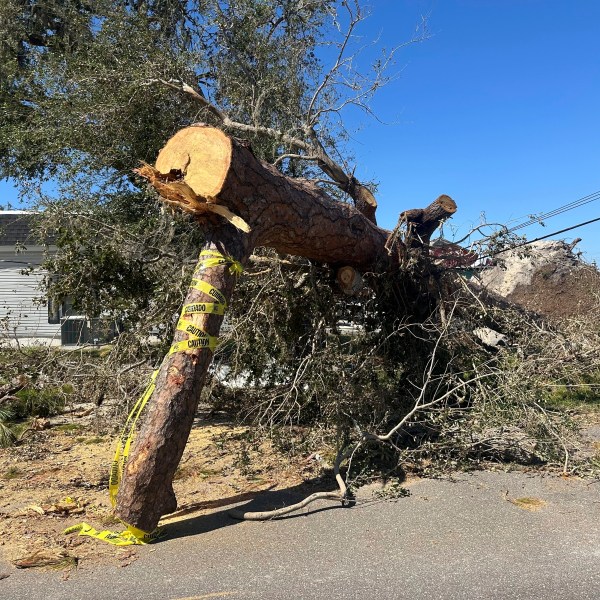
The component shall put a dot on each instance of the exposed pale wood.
(202, 155)
(349, 280)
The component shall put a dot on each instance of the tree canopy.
(90, 89)
(92, 85)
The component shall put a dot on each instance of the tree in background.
(90, 89)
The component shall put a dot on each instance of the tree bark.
(212, 176)
(146, 491)
(422, 222)
(294, 216)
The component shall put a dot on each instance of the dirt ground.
(548, 279)
(59, 479)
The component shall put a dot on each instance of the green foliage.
(87, 91)
(393, 490)
(42, 402)
(298, 352)
(124, 260)
(579, 392)
(7, 434)
(70, 100)
(81, 89)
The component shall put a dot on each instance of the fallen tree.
(214, 177)
(252, 69)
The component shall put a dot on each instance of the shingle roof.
(16, 228)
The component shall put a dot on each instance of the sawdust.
(60, 478)
(528, 503)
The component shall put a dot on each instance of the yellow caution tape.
(125, 439)
(215, 308)
(192, 330)
(197, 338)
(235, 267)
(130, 537)
(213, 292)
(209, 342)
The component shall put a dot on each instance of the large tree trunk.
(201, 168)
(206, 173)
(146, 491)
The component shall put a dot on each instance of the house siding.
(23, 308)
(21, 317)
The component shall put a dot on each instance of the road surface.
(461, 539)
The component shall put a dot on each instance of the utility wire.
(540, 238)
(557, 211)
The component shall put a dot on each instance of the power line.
(557, 211)
(541, 238)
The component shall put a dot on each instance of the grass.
(70, 428)
(8, 435)
(392, 490)
(97, 439)
(577, 395)
(184, 472)
(45, 402)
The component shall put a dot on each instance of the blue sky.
(499, 109)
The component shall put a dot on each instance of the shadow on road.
(250, 501)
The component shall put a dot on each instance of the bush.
(39, 402)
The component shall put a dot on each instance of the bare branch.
(361, 87)
(355, 19)
(282, 157)
(340, 495)
(188, 89)
(362, 196)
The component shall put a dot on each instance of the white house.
(26, 317)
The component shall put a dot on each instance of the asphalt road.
(461, 539)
